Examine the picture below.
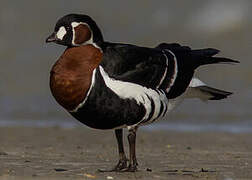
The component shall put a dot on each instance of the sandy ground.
(54, 153)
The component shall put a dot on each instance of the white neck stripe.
(90, 41)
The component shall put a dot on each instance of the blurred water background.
(25, 59)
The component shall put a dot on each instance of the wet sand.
(55, 153)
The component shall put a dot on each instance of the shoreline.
(77, 153)
(174, 126)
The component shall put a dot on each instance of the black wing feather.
(147, 66)
(140, 65)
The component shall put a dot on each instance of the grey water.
(244, 127)
(25, 59)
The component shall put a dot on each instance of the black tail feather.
(209, 52)
(198, 56)
(204, 60)
(174, 47)
(216, 94)
(187, 61)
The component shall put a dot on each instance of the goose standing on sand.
(114, 86)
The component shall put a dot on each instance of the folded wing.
(168, 67)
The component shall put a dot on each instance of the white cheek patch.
(61, 32)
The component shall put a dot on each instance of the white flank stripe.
(89, 90)
(127, 90)
(162, 79)
(162, 97)
(165, 103)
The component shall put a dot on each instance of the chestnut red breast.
(71, 75)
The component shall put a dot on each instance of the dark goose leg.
(132, 149)
(122, 164)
